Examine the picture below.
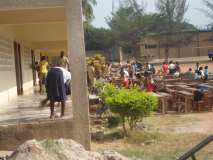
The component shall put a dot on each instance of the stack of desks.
(184, 93)
(163, 99)
(185, 99)
(208, 94)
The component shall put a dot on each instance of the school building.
(31, 27)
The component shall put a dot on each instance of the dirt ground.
(173, 135)
(185, 123)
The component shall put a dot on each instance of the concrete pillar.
(77, 57)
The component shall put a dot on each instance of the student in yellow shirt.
(43, 70)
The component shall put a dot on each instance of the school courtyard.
(164, 122)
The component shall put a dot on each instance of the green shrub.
(99, 85)
(109, 90)
(113, 121)
(131, 105)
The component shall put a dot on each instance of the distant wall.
(201, 44)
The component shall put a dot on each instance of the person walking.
(63, 61)
(42, 72)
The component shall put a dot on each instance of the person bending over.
(57, 78)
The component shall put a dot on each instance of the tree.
(98, 39)
(87, 6)
(124, 22)
(172, 23)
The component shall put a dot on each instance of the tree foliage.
(124, 21)
(98, 38)
(173, 25)
(173, 11)
(130, 24)
(87, 6)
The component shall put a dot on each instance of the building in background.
(200, 43)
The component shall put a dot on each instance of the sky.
(194, 15)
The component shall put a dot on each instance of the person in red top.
(149, 84)
(165, 68)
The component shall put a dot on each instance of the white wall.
(7, 71)
(8, 89)
(27, 69)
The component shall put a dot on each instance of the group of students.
(172, 68)
(201, 73)
(144, 78)
(56, 80)
(135, 74)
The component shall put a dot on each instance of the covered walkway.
(29, 28)
(24, 119)
(27, 109)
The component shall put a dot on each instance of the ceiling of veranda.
(43, 28)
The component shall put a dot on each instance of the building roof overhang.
(30, 4)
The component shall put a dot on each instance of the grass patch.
(138, 137)
(167, 147)
(51, 145)
(138, 153)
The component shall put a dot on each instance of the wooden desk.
(166, 97)
(117, 82)
(193, 84)
(191, 89)
(187, 98)
(163, 98)
(170, 86)
(206, 86)
(179, 83)
(181, 86)
(208, 98)
(160, 99)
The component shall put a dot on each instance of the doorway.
(33, 67)
(18, 68)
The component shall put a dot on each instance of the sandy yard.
(172, 135)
